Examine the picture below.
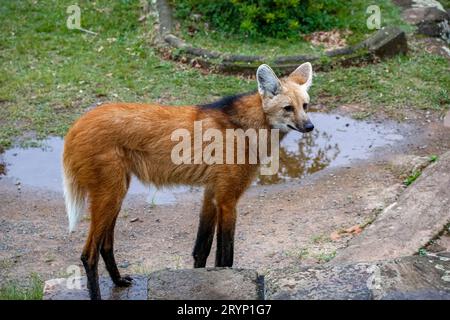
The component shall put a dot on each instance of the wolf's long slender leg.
(226, 225)
(225, 234)
(227, 195)
(106, 201)
(206, 227)
(107, 252)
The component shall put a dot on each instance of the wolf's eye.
(289, 108)
(305, 106)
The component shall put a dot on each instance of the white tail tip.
(74, 199)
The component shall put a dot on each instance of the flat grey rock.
(347, 282)
(433, 29)
(190, 284)
(412, 278)
(60, 289)
(420, 213)
(429, 17)
(424, 14)
(409, 278)
(387, 42)
(204, 284)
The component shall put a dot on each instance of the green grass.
(51, 74)
(234, 44)
(318, 239)
(326, 256)
(411, 178)
(298, 253)
(355, 18)
(416, 174)
(422, 252)
(418, 81)
(32, 291)
(445, 3)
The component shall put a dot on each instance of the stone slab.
(388, 42)
(408, 278)
(348, 282)
(205, 284)
(424, 14)
(420, 213)
(58, 289)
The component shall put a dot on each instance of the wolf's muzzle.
(306, 127)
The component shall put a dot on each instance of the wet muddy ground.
(336, 179)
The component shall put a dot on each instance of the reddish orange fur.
(110, 143)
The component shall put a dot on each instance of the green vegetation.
(234, 44)
(298, 253)
(326, 256)
(273, 28)
(416, 173)
(411, 178)
(422, 252)
(318, 239)
(31, 291)
(282, 18)
(433, 158)
(264, 17)
(50, 74)
(445, 3)
(153, 201)
(419, 80)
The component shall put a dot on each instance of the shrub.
(272, 18)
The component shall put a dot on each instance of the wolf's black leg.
(205, 234)
(91, 266)
(225, 236)
(107, 252)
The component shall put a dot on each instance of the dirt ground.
(278, 225)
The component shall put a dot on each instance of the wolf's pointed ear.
(268, 83)
(303, 75)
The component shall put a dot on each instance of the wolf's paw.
(124, 281)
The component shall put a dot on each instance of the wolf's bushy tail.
(74, 197)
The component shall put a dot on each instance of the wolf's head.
(285, 101)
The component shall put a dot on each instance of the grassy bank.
(32, 290)
(417, 81)
(51, 74)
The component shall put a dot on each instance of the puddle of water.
(336, 141)
(41, 168)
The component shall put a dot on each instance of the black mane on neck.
(225, 102)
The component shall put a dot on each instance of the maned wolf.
(112, 142)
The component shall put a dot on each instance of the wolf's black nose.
(309, 126)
